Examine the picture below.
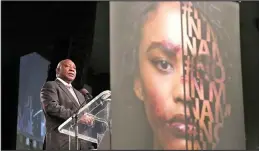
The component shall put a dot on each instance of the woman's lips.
(179, 127)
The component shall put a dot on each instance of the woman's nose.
(183, 88)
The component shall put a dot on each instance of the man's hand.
(87, 119)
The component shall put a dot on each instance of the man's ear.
(138, 89)
(57, 70)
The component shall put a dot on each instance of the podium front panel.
(176, 75)
(99, 109)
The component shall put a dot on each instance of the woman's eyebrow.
(167, 47)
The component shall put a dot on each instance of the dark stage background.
(49, 32)
(79, 30)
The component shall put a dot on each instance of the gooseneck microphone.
(86, 94)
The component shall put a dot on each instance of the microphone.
(86, 94)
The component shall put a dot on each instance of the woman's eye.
(163, 66)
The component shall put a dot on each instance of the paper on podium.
(99, 108)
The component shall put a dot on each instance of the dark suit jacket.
(58, 105)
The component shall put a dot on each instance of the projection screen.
(176, 76)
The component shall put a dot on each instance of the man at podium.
(59, 102)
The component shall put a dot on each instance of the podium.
(99, 109)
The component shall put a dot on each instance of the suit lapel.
(63, 87)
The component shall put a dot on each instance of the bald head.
(63, 62)
(66, 70)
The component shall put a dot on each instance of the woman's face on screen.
(160, 83)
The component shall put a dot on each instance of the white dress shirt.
(70, 89)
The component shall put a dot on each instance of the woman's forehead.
(164, 24)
